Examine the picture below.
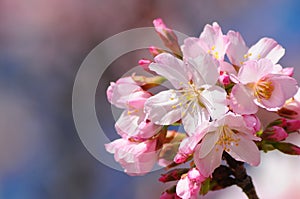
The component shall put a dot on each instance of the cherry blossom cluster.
(228, 97)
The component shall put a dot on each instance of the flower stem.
(242, 179)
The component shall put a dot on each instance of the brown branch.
(241, 178)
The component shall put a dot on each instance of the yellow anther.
(216, 55)
(213, 48)
(263, 89)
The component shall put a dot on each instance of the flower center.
(263, 89)
(190, 98)
(227, 138)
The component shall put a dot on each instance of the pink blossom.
(188, 145)
(126, 92)
(211, 41)
(196, 97)
(133, 122)
(238, 52)
(189, 185)
(137, 158)
(229, 134)
(257, 86)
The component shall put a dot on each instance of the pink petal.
(188, 145)
(163, 108)
(245, 151)
(171, 68)
(252, 71)
(236, 48)
(191, 48)
(128, 123)
(213, 38)
(284, 86)
(204, 70)
(193, 117)
(208, 143)
(214, 99)
(226, 67)
(137, 99)
(267, 48)
(122, 92)
(210, 162)
(241, 100)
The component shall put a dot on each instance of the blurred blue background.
(43, 43)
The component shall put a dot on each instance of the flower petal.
(204, 70)
(245, 151)
(267, 48)
(208, 143)
(171, 68)
(252, 71)
(191, 48)
(164, 108)
(210, 162)
(236, 48)
(121, 93)
(128, 123)
(285, 87)
(213, 40)
(193, 117)
(241, 100)
(214, 99)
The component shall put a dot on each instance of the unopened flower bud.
(144, 63)
(253, 122)
(155, 51)
(224, 78)
(168, 36)
(172, 175)
(149, 82)
(274, 133)
(287, 148)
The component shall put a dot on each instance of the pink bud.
(110, 91)
(180, 158)
(166, 195)
(144, 63)
(292, 125)
(167, 35)
(274, 133)
(189, 186)
(253, 122)
(172, 175)
(155, 51)
(287, 148)
(224, 78)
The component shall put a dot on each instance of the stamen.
(263, 89)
